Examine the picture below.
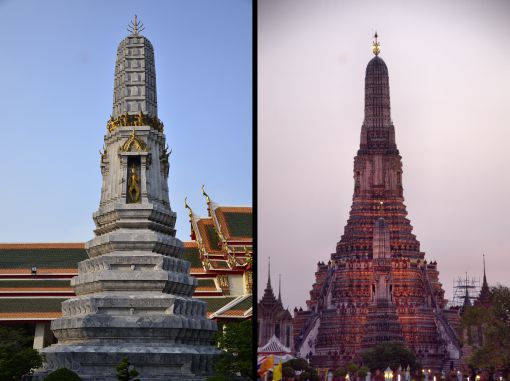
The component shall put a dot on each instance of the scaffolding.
(463, 286)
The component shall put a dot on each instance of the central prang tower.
(134, 294)
(377, 287)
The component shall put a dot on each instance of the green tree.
(62, 374)
(363, 371)
(124, 373)
(17, 357)
(236, 358)
(288, 372)
(494, 324)
(308, 373)
(297, 364)
(352, 369)
(392, 354)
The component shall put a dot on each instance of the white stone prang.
(134, 293)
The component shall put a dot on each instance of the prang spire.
(135, 76)
(377, 132)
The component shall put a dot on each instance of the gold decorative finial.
(376, 46)
(207, 198)
(135, 27)
(190, 212)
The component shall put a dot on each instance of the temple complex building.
(35, 277)
(274, 322)
(377, 285)
(220, 253)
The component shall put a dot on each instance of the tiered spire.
(135, 76)
(484, 298)
(377, 131)
(268, 292)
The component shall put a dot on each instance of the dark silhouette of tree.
(62, 374)
(235, 341)
(17, 357)
(392, 354)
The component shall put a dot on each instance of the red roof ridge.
(240, 208)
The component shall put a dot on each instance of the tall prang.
(377, 287)
(134, 293)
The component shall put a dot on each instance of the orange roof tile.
(206, 288)
(190, 244)
(29, 315)
(59, 271)
(15, 271)
(239, 313)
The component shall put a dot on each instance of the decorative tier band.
(134, 120)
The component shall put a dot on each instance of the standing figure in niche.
(134, 186)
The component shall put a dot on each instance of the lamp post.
(388, 374)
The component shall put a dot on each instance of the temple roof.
(240, 307)
(221, 253)
(223, 238)
(30, 308)
(274, 345)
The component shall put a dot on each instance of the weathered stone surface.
(134, 293)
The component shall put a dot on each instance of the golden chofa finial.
(204, 193)
(376, 46)
(135, 27)
(207, 200)
(190, 212)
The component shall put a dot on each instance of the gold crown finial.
(135, 27)
(375, 45)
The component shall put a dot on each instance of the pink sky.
(449, 69)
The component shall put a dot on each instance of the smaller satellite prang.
(135, 27)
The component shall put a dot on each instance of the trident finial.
(375, 45)
(135, 27)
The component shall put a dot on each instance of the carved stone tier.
(382, 324)
(135, 78)
(129, 271)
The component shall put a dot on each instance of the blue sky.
(58, 62)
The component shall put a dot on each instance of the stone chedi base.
(159, 327)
